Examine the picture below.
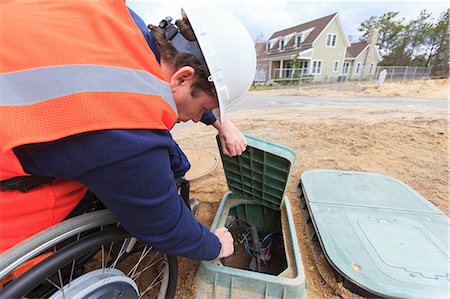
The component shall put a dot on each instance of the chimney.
(372, 37)
(370, 60)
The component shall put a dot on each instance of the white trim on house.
(335, 66)
(285, 39)
(347, 41)
(340, 67)
(306, 54)
(357, 68)
(362, 51)
(282, 43)
(304, 34)
(339, 61)
(305, 66)
(288, 37)
(332, 37)
(302, 38)
(317, 70)
(366, 49)
(344, 34)
(346, 68)
(273, 42)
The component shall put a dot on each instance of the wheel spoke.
(103, 252)
(72, 269)
(61, 283)
(119, 255)
(103, 257)
(154, 283)
(53, 284)
(144, 253)
(114, 249)
(109, 254)
(149, 265)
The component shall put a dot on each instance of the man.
(84, 100)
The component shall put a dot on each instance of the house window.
(282, 44)
(267, 47)
(336, 66)
(345, 67)
(331, 40)
(371, 68)
(316, 67)
(357, 69)
(304, 67)
(288, 69)
(298, 40)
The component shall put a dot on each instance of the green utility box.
(257, 180)
(382, 237)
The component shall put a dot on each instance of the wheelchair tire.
(90, 256)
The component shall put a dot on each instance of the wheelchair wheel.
(88, 256)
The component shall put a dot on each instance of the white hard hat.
(229, 53)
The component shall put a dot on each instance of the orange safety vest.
(68, 67)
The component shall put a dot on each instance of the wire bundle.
(258, 248)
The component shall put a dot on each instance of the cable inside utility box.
(258, 241)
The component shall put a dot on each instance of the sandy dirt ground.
(409, 144)
(429, 89)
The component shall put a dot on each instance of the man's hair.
(178, 59)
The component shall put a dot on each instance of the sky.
(262, 18)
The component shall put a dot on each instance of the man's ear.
(182, 76)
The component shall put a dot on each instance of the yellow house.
(362, 58)
(312, 51)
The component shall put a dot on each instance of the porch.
(283, 70)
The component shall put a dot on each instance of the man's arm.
(233, 141)
(129, 171)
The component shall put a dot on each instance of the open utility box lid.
(261, 173)
(379, 233)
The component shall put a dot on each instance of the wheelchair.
(88, 256)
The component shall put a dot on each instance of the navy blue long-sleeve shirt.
(130, 172)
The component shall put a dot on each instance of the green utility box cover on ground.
(257, 180)
(378, 233)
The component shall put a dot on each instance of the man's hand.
(233, 141)
(226, 240)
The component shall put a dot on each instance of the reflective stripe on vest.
(81, 66)
(85, 67)
(58, 81)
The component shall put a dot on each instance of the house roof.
(286, 54)
(318, 25)
(355, 49)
